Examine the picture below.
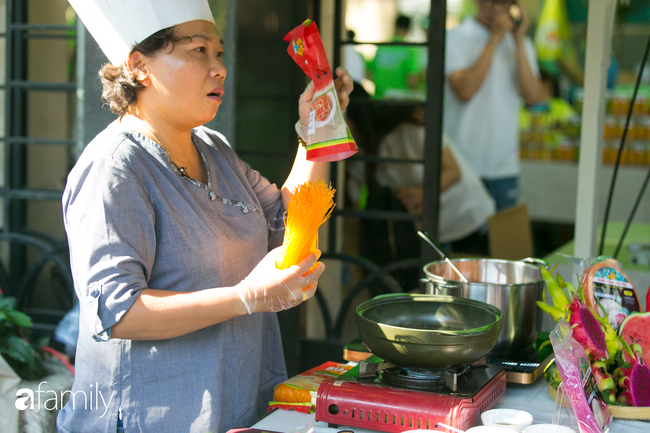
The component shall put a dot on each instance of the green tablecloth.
(636, 234)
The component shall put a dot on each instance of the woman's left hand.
(343, 85)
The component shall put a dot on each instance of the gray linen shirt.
(133, 223)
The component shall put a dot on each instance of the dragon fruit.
(606, 382)
(633, 378)
(587, 331)
(595, 333)
(559, 296)
(612, 339)
(616, 357)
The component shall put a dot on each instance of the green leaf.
(555, 313)
(18, 349)
(43, 341)
(25, 358)
(573, 293)
(7, 303)
(560, 299)
(20, 319)
(626, 347)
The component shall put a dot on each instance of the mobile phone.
(515, 14)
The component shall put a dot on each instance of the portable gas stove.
(395, 399)
(525, 366)
(522, 367)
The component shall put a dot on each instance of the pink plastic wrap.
(590, 409)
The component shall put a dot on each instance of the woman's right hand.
(269, 289)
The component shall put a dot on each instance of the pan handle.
(535, 261)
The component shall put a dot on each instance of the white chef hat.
(118, 25)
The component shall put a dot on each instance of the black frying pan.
(428, 332)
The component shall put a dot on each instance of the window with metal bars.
(428, 219)
(38, 90)
(360, 278)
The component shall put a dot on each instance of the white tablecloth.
(534, 399)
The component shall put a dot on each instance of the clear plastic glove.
(269, 289)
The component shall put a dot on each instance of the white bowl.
(488, 429)
(509, 418)
(548, 428)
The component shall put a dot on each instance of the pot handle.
(435, 288)
(535, 261)
(429, 287)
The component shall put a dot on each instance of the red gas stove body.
(376, 406)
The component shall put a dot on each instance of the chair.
(41, 257)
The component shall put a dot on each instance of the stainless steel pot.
(513, 287)
(427, 332)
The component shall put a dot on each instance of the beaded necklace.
(182, 170)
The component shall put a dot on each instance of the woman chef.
(169, 233)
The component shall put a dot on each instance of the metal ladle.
(443, 255)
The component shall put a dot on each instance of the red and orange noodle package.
(310, 205)
(328, 136)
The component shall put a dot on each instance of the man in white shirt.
(490, 66)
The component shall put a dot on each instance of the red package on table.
(328, 136)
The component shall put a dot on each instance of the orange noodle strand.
(310, 205)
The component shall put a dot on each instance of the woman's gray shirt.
(133, 223)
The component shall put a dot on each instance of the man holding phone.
(490, 68)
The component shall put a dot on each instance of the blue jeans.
(505, 191)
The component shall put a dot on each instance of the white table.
(549, 188)
(533, 399)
